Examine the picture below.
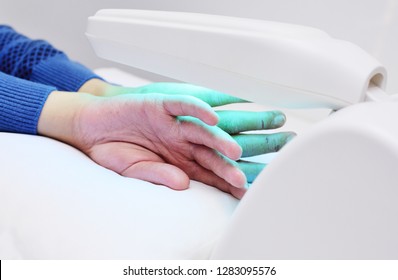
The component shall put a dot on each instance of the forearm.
(38, 61)
(21, 103)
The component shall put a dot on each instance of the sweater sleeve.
(38, 61)
(21, 103)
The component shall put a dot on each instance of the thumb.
(159, 173)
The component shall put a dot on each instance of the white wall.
(372, 24)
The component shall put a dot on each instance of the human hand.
(253, 144)
(213, 98)
(232, 122)
(162, 139)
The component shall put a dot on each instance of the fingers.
(133, 161)
(211, 97)
(207, 177)
(251, 169)
(180, 105)
(238, 193)
(257, 144)
(234, 122)
(195, 131)
(158, 173)
(219, 165)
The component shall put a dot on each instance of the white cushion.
(55, 203)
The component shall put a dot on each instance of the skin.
(143, 137)
(164, 133)
(232, 122)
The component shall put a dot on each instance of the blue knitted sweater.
(29, 71)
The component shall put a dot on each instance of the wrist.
(101, 88)
(95, 87)
(59, 118)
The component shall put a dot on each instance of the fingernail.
(243, 177)
(279, 120)
(290, 137)
(238, 151)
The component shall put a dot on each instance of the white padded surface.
(56, 203)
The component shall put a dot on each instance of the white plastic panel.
(332, 193)
(266, 62)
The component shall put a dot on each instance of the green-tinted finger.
(257, 144)
(211, 97)
(251, 169)
(197, 132)
(234, 122)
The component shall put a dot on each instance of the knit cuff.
(21, 103)
(62, 73)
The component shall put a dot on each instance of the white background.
(285, 270)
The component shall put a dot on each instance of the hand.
(232, 122)
(159, 138)
(253, 144)
(213, 98)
